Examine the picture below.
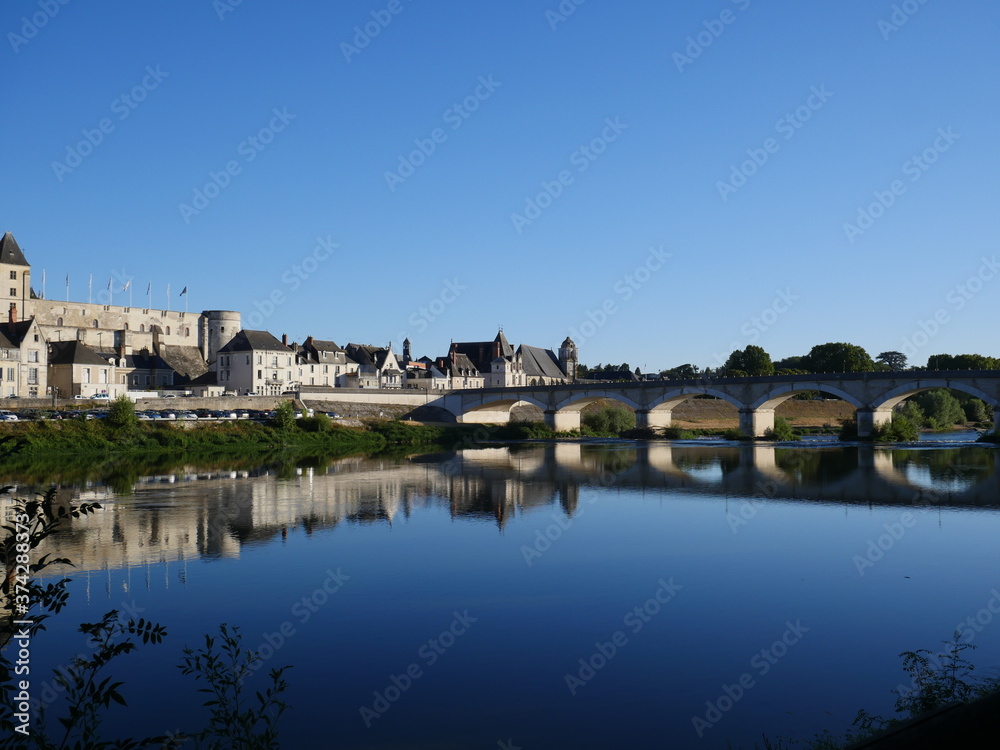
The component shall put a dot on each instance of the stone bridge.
(873, 395)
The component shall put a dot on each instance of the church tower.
(568, 358)
(15, 277)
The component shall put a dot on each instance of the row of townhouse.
(257, 363)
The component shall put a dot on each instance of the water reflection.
(193, 513)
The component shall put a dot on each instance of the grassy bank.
(98, 438)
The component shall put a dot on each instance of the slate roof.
(10, 251)
(539, 362)
(254, 341)
(74, 353)
(186, 361)
(482, 353)
(12, 334)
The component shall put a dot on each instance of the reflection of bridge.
(874, 395)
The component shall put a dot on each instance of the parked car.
(7, 416)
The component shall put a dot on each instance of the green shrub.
(899, 430)
(734, 433)
(782, 431)
(284, 417)
(611, 419)
(677, 433)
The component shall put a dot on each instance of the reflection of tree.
(822, 467)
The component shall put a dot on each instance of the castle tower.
(217, 329)
(15, 277)
(406, 352)
(568, 358)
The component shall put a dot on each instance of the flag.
(183, 292)
(110, 282)
(149, 288)
(127, 285)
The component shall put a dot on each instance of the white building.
(256, 363)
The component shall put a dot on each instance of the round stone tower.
(217, 328)
(568, 358)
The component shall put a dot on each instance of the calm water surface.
(567, 596)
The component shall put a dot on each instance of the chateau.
(70, 349)
(137, 347)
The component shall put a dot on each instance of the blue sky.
(429, 154)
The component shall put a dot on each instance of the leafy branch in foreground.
(234, 717)
(936, 680)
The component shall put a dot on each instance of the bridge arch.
(778, 395)
(670, 399)
(892, 398)
(495, 408)
(576, 402)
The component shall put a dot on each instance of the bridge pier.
(869, 419)
(996, 420)
(562, 421)
(652, 418)
(755, 423)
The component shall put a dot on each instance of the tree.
(752, 361)
(284, 416)
(682, 372)
(893, 360)
(962, 362)
(942, 409)
(838, 357)
(121, 415)
(790, 363)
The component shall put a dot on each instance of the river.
(687, 594)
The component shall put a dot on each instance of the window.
(135, 380)
(248, 359)
(260, 374)
(36, 337)
(147, 379)
(168, 330)
(32, 376)
(59, 322)
(326, 369)
(33, 355)
(86, 374)
(260, 359)
(95, 323)
(187, 331)
(124, 380)
(104, 375)
(13, 275)
(10, 373)
(142, 328)
(13, 292)
(126, 325)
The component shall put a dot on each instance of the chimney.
(308, 343)
(12, 316)
(284, 339)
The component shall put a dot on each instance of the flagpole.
(90, 289)
(168, 297)
(149, 293)
(111, 291)
(67, 287)
(43, 283)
